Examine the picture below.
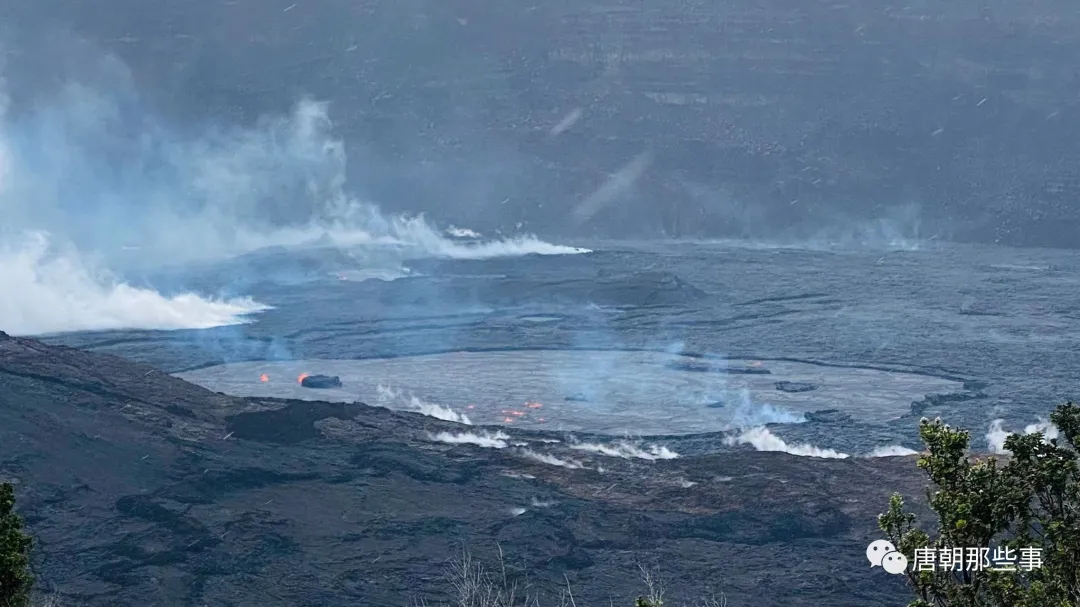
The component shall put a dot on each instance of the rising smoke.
(551, 460)
(996, 435)
(480, 439)
(48, 289)
(627, 450)
(94, 184)
(390, 397)
(892, 451)
(764, 440)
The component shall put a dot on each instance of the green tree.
(1023, 504)
(15, 578)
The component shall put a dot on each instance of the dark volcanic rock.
(292, 423)
(794, 386)
(321, 381)
(827, 416)
(141, 489)
(700, 366)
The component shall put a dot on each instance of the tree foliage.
(1029, 499)
(16, 581)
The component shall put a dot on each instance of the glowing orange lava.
(301, 378)
(533, 405)
(508, 420)
(264, 377)
(470, 406)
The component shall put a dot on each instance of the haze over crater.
(784, 120)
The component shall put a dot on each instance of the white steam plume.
(482, 439)
(747, 413)
(626, 450)
(49, 291)
(892, 451)
(764, 440)
(996, 435)
(551, 460)
(457, 232)
(94, 173)
(388, 396)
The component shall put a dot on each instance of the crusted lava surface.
(145, 489)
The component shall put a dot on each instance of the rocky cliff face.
(676, 117)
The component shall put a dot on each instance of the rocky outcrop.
(321, 381)
(714, 366)
(794, 386)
